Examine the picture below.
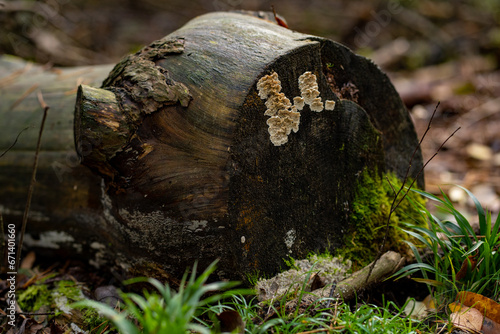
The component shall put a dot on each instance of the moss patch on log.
(370, 210)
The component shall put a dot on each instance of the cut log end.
(101, 128)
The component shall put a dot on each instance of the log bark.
(65, 211)
(184, 165)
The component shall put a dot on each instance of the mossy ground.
(370, 212)
(42, 294)
(58, 297)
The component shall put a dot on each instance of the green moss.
(370, 211)
(93, 322)
(38, 295)
(70, 290)
(34, 297)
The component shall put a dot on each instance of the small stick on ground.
(33, 180)
(15, 141)
(395, 203)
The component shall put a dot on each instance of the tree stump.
(231, 138)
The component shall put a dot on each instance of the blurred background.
(446, 51)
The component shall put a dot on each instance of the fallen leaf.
(415, 309)
(231, 322)
(486, 306)
(472, 261)
(29, 259)
(108, 294)
(33, 329)
(490, 326)
(468, 318)
(429, 302)
(316, 282)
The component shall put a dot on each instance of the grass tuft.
(461, 258)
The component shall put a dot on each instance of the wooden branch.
(347, 289)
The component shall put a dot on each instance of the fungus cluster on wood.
(285, 116)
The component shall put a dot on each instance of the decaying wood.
(179, 145)
(347, 289)
(62, 208)
(343, 291)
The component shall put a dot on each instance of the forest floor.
(433, 51)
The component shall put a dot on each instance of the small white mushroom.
(278, 131)
(309, 95)
(329, 105)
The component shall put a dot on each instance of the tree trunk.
(200, 151)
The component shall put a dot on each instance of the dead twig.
(15, 141)
(22, 97)
(395, 203)
(33, 179)
(35, 313)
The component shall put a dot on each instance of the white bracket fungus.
(329, 105)
(284, 117)
(308, 86)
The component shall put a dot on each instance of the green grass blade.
(427, 195)
(419, 237)
(494, 231)
(453, 228)
(473, 249)
(479, 210)
(118, 319)
(405, 271)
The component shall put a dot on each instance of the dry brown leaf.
(486, 306)
(316, 282)
(490, 326)
(466, 317)
(429, 302)
(230, 321)
(465, 266)
(28, 261)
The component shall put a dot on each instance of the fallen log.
(230, 138)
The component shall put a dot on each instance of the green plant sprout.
(189, 311)
(461, 259)
(165, 311)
